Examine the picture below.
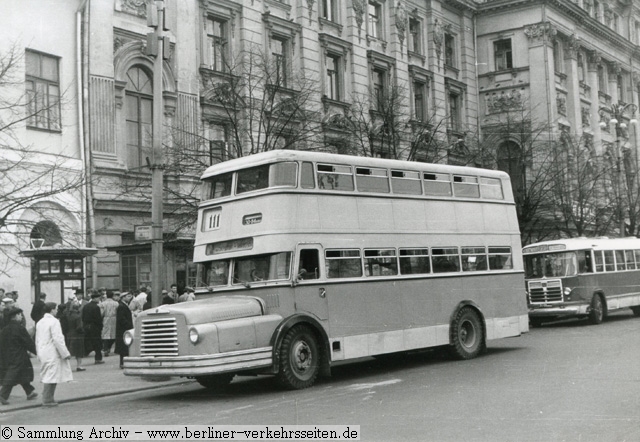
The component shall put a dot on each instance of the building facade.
(42, 216)
(434, 80)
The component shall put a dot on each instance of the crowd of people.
(91, 322)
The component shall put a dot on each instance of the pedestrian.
(92, 325)
(188, 295)
(2, 310)
(15, 364)
(167, 299)
(37, 311)
(173, 292)
(124, 322)
(109, 307)
(137, 304)
(74, 333)
(9, 303)
(52, 353)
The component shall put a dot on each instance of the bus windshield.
(556, 265)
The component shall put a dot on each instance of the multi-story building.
(321, 56)
(42, 216)
(570, 69)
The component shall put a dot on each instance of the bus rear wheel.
(636, 310)
(215, 381)
(299, 358)
(598, 311)
(467, 334)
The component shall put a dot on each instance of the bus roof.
(582, 243)
(321, 157)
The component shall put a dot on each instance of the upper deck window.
(466, 186)
(372, 180)
(270, 175)
(491, 188)
(406, 182)
(438, 184)
(218, 186)
(334, 177)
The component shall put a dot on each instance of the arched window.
(511, 160)
(45, 234)
(139, 115)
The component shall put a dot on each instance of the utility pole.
(157, 47)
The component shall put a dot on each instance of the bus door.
(310, 295)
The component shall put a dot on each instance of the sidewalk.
(97, 381)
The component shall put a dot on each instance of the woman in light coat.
(53, 354)
(137, 304)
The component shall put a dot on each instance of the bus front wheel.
(598, 311)
(467, 334)
(299, 358)
(215, 381)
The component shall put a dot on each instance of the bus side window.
(309, 264)
(585, 263)
(306, 176)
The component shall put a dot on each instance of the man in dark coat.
(124, 322)
(37, 312)
(15, 365)
(92, 325)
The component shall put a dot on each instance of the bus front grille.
(159, 337)
(545, 291)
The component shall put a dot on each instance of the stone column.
(593, 61)
(541, 71)
(574, 116)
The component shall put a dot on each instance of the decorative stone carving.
(506, 100)
(585, 114)
(594, 59)
(359, 7)
(310, 6)
(540, 32)
(572, 47)
(615, 68)
(221, 92)
(561, 104)
(337, 121)
(135, 7)
(438, 37)
(401, 22)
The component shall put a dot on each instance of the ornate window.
(415, 36)
(329, 10)
(455, 110)
(42, 85)
(375, 20)
(450, 50)
(503, 54)
(139, 116)
(218, 44)
(333, 77)
(420, 100)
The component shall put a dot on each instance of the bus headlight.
(567, 293)
(193, 335)
(128, 337)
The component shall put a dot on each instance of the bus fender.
(286, 325)
(475, 307)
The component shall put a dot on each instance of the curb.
(95, 396)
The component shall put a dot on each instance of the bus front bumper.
(558, 311)
(199, 365)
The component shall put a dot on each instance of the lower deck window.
(500, 258)
(473, 259)
(380, 262)
(343, 263)
(271, 267)
(445, 259)
(414, 261)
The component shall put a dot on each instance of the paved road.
(562, 382)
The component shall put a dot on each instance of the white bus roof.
(321, 157)
(582, 243)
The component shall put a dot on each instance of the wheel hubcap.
(467, 334)
(301, 356)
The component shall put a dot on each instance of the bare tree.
(30, 180)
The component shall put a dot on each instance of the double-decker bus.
(582, 277)
(307, 258)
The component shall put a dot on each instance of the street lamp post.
(617, 128)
